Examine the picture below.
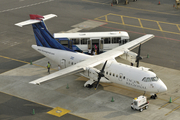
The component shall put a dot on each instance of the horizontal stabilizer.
(35, 19)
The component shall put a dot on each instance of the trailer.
(140, 103)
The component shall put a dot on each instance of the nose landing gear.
(153, 96)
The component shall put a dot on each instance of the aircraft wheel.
(89, 86)
(146, 107)
(132, 108)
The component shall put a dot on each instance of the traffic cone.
(159, 3)
(33, 112)
(147, 55)
(111, 4)
(170, 101)
(112, 100)
(173, 5)
(67, 87)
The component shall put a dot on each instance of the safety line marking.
(160, 29)
(164, 105)
(23, 61)
(134, 8)
(140, 23)
(106, 18)
(178, 27)
(122, 20)
(159, 26)
(172, 110)
(139, 33)
(26, 6)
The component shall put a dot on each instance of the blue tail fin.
(42, 35)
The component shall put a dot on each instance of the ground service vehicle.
(140, 103)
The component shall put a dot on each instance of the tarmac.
(66, 98)
(69, 94)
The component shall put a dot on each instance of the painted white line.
(26, 6)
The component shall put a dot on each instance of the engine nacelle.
(91, 73)
(129, 56)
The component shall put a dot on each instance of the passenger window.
(83, 41)
(120, 76)
(72, 63)
(124, 77)
(75, 41)
(109, 73)
(116, 75)
(106, 40)
(113, 74)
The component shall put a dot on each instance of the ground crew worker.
(89, 51)
(48, 67)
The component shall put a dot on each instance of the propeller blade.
(107, 78)
(101, 74)
(104, 66)
(97, 82)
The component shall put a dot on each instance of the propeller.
(101, 74)
(138, 57)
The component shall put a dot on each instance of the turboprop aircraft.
(140, 78)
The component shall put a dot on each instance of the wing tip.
(34, 83)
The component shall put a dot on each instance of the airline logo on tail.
(36, 17)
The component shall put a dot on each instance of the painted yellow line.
(106, 18)
(175, 99)
(140, 23)
(14, 59)
(178, 27)
(27, 99)
(122, 20)
(139, 27)
(143, 19)
(164, 105)
(159, 26)
(172, 110)
(134, 8)
(23, 61)
(58, 111)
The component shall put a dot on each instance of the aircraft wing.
(95, 60)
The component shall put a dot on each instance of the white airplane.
(140, 78)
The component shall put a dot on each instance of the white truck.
(140, 103)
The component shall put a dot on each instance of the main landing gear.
(153, 96)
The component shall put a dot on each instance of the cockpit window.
(149, 79)
(154, 78)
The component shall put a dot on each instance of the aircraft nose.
(163, 87)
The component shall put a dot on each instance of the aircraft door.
(63, 63)
(120, 76)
